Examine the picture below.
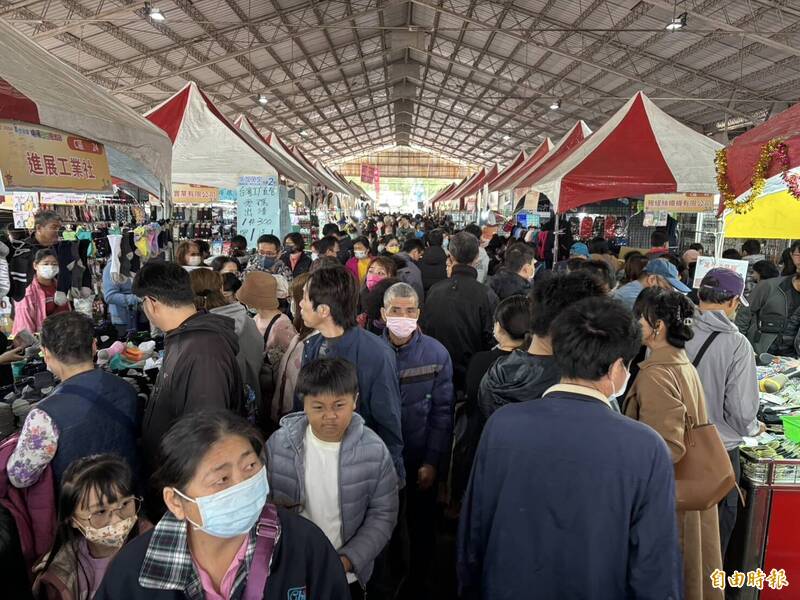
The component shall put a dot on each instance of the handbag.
(268, 530)
(704, 476)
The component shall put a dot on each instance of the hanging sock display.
(115, 241)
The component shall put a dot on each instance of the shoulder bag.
(704, 476)
(268, 530)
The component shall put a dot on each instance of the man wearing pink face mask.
(426, 391)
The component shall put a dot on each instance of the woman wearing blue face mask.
(221, 539)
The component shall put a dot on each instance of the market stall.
(759, 180)
(38, 89)
(767, 529)
(210, 155)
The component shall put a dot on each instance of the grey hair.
(399, 290)
(43, 217)
(464, 248)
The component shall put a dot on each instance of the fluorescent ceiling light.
(262, 99)
(155, 13)
(555, 105)
(678, 22)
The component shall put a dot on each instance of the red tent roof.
(744, 151)
(640, 150)
(479, 182)
(504, 180)
(566, 146)
(440, 193)
(518, 159)
(457, 192)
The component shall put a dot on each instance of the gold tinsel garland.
(773, 149)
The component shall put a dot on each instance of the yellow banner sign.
(685, 203)
(185, 193)
(37, 158)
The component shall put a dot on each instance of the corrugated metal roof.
(489, 67)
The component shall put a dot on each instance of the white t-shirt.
(322, 505)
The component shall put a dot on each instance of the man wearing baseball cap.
(726, 364)
(657, 273)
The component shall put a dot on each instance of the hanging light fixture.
(262, 99)
(555, 105)
(678, 22)
(506, 137)
(154, 13)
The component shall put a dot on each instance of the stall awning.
(283, 162)
(640, 150)
(504, 180)
(325, 179)
(517, 161)
(743, 153)
(35, 87)
(775, 214)
(206, 148)
(565, 146)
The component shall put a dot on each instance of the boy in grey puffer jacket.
(333, 469)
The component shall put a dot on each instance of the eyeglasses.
(127, 508)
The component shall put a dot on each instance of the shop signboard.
(367, 173)
(227, 196)
(679, 203)
(186, 193)
(36, 158)
(257, 207)
(63, 199)
(25, 206)
(706, 263)
(655, 219)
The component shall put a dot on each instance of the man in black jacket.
(199, 370)
(459, 311)
(525, 374)
(20, 259)
(433, 264)
(514, 279)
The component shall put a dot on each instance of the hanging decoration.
(774, 149)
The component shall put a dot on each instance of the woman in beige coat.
(666, 390)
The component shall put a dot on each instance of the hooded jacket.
(199, 372)
(368, 498)
(251, 346)
(728, 373)
(433, 266)
(426, 389)
(507, 283)
(518, 377)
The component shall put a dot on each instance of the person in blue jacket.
(568, 498)
(426, 389)
(329, 306)
(123, 304)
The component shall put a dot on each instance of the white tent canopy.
(284, 162)
(36, 87)
(207, 148)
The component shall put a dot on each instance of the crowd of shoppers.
(321, 421)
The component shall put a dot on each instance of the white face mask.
(48, 271)
(360, 254)
(314, 256)
(194, 261)
(615, 393)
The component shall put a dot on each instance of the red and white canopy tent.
(775, 212)
(565, 146)
(284, 162)
(325, 178)
(36, 87)
(456, 194)
(206, 148)
(441, 192)
(640, 150)
(518, 160)
(512, 172)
